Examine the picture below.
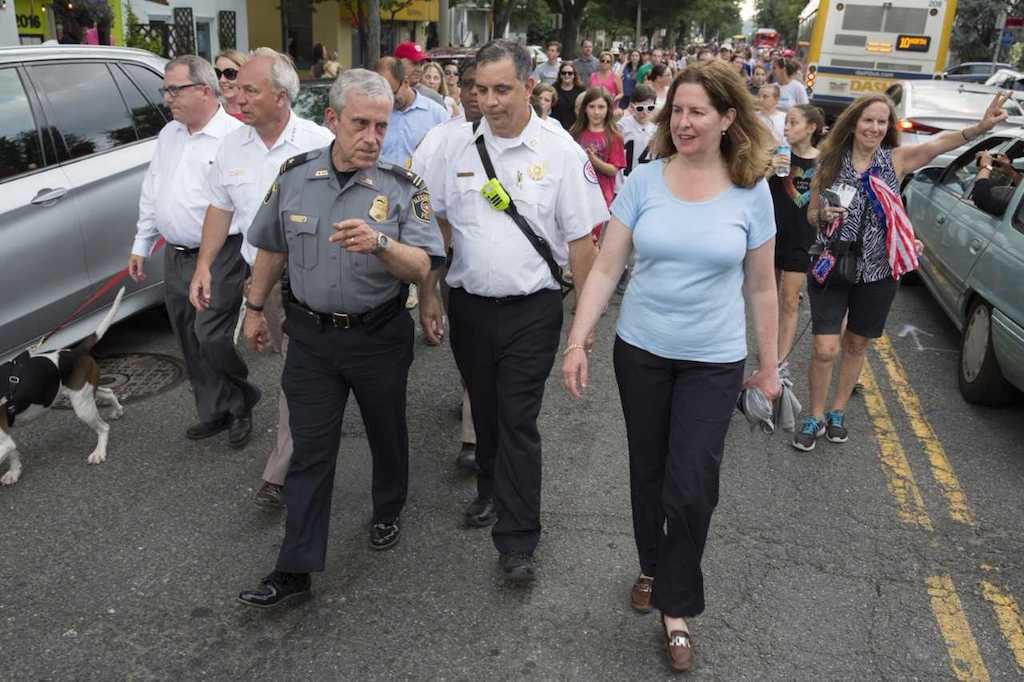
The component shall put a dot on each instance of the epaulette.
(404, 173)
(299, 159)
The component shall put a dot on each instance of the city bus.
(852, 49)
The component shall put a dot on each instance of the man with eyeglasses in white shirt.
(172, 205)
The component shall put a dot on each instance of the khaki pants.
(278, 459)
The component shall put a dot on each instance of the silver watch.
(382, 243)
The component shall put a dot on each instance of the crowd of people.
(698, 186)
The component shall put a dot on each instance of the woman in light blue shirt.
(701, 223)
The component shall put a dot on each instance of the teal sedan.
(973, 264)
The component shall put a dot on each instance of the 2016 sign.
(29, 21)
(913, 43)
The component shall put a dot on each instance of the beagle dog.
(32, 382)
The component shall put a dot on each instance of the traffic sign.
(1014, 22)
(1007, 38)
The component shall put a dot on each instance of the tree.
(975, 32)
(782, 15)
(139, 37)
(572, 17)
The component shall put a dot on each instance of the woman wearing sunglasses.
(605, 78)
(568, 88)
(451, 81)
(226, 65)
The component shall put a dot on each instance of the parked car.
(78, 129)
(926, 107)
(451, 54)
(314, 96)
(1006, 79)
(973, 72)
(973, 263)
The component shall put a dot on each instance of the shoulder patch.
(404, 173)
(421, 205)
(299, 160)
(589, 173)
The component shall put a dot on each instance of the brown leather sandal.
(680, 648)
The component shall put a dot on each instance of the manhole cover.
(136, 376)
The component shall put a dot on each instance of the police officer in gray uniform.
(352, 230)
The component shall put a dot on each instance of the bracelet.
(571, 348)
(252, 306)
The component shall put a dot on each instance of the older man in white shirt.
(172, 205)
(242, 173)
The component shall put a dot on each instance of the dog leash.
(98, 294)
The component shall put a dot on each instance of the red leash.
(97, 295)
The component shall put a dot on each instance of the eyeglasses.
(451, 72)
(229, 73)
(606, 61)
(645, 107)
(173, 91)
(567, 73)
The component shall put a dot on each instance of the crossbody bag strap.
(538, 242)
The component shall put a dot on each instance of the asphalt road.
(895, 556)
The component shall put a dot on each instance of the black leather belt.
(504, 300)
(191, 251)
(371, 318)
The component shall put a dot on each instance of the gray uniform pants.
(217, 373)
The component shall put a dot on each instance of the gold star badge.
(536, 172)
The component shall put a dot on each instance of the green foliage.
(975, 32)
(683, 20)
(136, 37)
(711, 19)
(540, 22)
(782, 15)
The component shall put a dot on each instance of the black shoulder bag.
(536, 241)
(838, 261)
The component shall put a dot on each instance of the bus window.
(906, 20)
(862, 18)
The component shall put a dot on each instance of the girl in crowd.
(226, 66)
(660, 79)
(605, 78)
(433, 78)
(770, 116)
(791, 194)
(700, 221)
(542, 99)
(568, 88)
(596, 132)
(451, 81)
(758, 77)
(629, 77)
(861, 158)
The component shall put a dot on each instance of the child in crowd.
(596, 132)
(542, 99)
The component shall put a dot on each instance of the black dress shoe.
(206, 429)
(518, 566)
(252, 396)
(276, 588)
(480, 513)
(384, 535)
(466, 459)
(240, 430)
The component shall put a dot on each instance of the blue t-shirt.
(685, 298)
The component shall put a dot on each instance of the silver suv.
(78, 127)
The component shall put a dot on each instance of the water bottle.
(784, 150)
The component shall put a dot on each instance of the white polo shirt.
(552, 183)
(244, 169)
(173, 199)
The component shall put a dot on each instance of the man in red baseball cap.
(413, 56)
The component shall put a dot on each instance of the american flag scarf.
(899, 234)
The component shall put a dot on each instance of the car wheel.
(981, 380)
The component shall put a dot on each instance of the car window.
(150, 83)
(959, 177)
(148, 119)
(20, 150)
(85, 105)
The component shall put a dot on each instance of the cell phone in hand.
(831, 198)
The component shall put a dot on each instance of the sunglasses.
(606, 61)
(567, 73)
(229, 73)
(451, 72)
(645, 107)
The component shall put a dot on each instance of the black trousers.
(322, 366)
(677, 414)
(217, 372)
(505, 350)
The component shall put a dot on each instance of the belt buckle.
(341, 320)
(180, 248)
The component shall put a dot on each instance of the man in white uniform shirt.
(506, 306)
(242, 172)
(172, 204)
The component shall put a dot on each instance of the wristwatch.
(382, 243)
(252, 306)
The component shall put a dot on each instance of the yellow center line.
(964, 658)
(942, 470)
(1008, 615)
(899, 477)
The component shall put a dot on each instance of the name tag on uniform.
(320, 173)
(465, 174)
(296, 218)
